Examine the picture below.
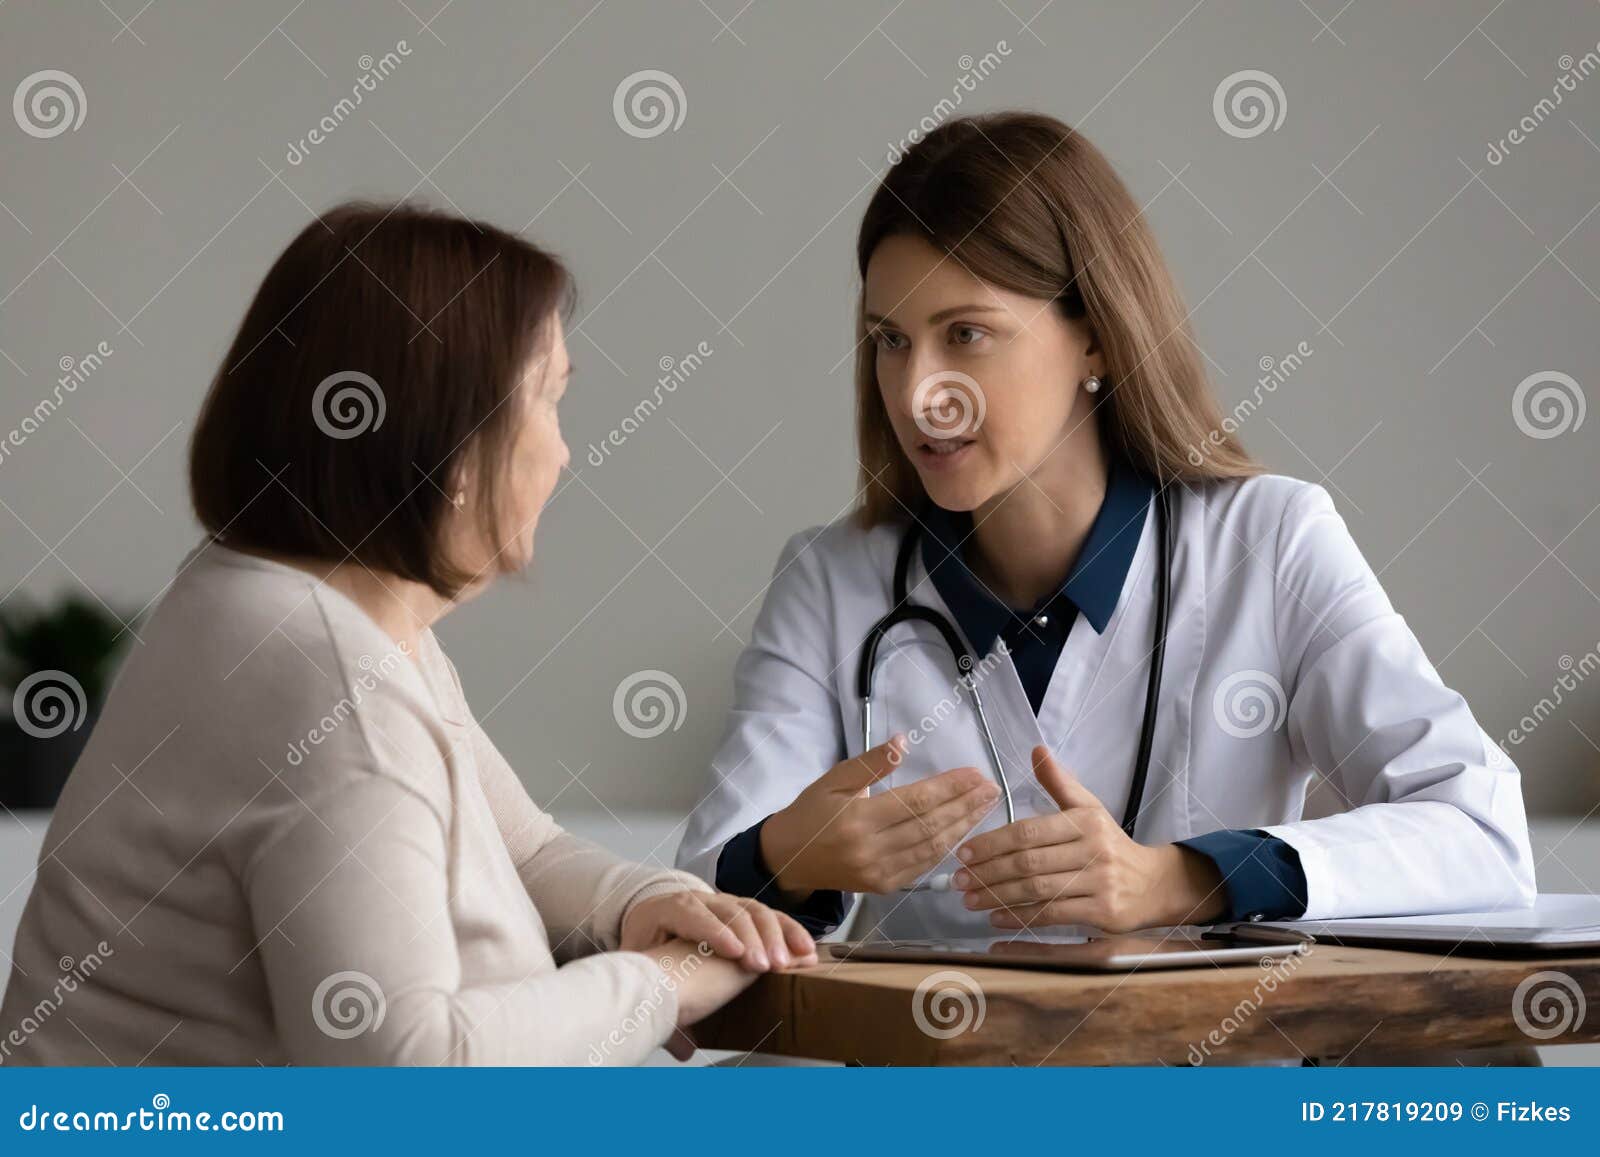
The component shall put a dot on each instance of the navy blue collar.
(1093, 585)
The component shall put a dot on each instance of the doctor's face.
(982, 385)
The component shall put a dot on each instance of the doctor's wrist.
(1192, 887)
(778, 858)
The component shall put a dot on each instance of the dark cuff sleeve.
(742, 871)
(1261, 874)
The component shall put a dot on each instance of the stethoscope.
(905, 611)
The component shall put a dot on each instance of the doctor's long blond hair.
(1026, 203)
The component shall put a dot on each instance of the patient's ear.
(467, 533)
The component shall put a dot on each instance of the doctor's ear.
(1093, 353)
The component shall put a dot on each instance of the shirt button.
(1256, 916)
(1041, 620)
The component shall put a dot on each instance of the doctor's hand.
(732, 927)
(1077, 866)
(836, 835)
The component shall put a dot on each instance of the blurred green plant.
(78, 636)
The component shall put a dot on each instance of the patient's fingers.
(802, 947)
(702, 920)
(755, 954)
(772, 940)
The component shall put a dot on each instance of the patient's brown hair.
(374, 369)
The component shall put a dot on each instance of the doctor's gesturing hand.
(835, 835)
(1077, 866)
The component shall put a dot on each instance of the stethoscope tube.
(1152, 692)
(905, 611)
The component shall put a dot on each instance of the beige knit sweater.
(289, 841)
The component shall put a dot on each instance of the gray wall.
(1427, 281)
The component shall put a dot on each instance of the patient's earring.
(459, 500)
(1091, 384)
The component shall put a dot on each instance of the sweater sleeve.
(362, 970)
(582, 891)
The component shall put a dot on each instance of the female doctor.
(1074, 657)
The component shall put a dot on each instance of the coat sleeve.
(1436, 821)
(784, 729)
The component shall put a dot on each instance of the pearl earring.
(459, 500)
(1091, 384)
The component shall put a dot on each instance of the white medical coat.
(1284, 658)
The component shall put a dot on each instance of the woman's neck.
(1025, 541)
(401, 608)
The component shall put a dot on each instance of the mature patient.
(288, 839)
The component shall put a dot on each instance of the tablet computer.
(1123, 953)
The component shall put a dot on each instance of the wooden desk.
(1333, 1002)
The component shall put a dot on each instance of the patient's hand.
(735, 928)
(703, 983)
